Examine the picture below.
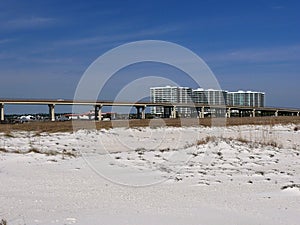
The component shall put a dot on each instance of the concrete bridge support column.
(240, 113)
(98, 112)
(298, 113)
(202, 112)
(51, 112)
(276, 113)
(228, 112)
(144, 112)
(253, 113)
(173, 112)
(137, 112)
(1, 112)
(140, 114)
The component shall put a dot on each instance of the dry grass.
(35, 150)
(67, 126)
(241, 140)
(207, 140)
(252, 144)
(8, 135)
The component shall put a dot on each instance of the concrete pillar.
(144, 112)
(173, 112)
(98, 112)
(1, 112)
(253, 113)
(51, 112)
(229, 112)
(202, 112)
(276, 113)
(298, 113)
(138, 113)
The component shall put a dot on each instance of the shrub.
(206, 140)
(8, 135)
(243, 140)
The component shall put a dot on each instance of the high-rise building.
(209, 96)
(246, 98)
(199, 96)
(169, 94)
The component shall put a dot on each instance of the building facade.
(246, 98)
(209, 96)
(171, 94)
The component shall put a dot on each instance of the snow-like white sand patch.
(192, 175)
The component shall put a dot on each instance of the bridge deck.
(200, 108)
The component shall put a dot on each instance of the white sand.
(152, 176)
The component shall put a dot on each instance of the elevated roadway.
(170, 108)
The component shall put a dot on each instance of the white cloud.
(7, 40)
(126, 36)
(54, 60)
(25, 23)
(258, 55)
(277, 7)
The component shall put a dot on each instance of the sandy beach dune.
(192, 175)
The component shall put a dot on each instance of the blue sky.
(45, 46)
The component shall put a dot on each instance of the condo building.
(246, 98)
(210, 97)
(171, 94)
